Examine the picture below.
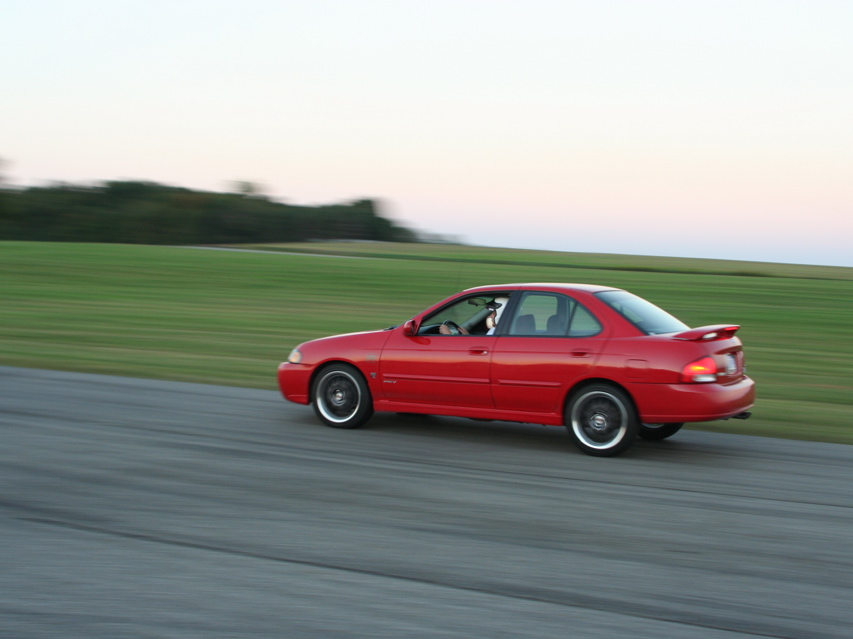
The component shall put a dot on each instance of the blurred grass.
(226, 317)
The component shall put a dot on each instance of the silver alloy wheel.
(599, 419)
(338, 396)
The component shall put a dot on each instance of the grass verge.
(225, 317)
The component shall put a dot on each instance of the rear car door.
(550, 343)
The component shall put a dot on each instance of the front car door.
(436, 369)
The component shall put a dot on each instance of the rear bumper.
(294, 380)
(667, 403)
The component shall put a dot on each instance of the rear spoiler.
(708, 333)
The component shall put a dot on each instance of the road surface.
(137, 509)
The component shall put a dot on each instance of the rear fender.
(590, 382)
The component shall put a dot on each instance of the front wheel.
(601, 420)
(656, 432)
(341, 397)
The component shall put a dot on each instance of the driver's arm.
(445, 330)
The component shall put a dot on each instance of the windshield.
(641, 313)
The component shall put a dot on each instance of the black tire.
(341, 397)
(657, 432)
(601, 420)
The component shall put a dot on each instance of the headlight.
(295, 356)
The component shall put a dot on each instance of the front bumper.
(294, 380)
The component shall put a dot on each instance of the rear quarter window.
(583, 323)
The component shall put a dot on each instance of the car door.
(550, 342)
(436, 369)
(449, 370)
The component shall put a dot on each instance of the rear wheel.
(341, 397)
(601, 420)
(656, 432)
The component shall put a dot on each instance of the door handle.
(478, 350)
(580, 353)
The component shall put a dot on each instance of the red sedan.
(607, 364)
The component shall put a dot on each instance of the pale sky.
(718, 129)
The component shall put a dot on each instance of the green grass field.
(224, 317)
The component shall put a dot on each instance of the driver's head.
(497, 307)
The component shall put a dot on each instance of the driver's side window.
(458, 313)
(468, 313)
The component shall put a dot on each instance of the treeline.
(150, 213)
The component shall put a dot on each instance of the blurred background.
(702, 129)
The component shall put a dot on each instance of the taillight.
(702, 370)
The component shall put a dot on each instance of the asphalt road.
(135, 508)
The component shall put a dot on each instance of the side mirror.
(410, 328)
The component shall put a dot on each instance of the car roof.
(542, 286)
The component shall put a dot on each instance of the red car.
(607, 364)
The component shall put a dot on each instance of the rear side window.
(552, 315)
(649, 318)
(583, 323)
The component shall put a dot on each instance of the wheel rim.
(599, 420)
(338, 396)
